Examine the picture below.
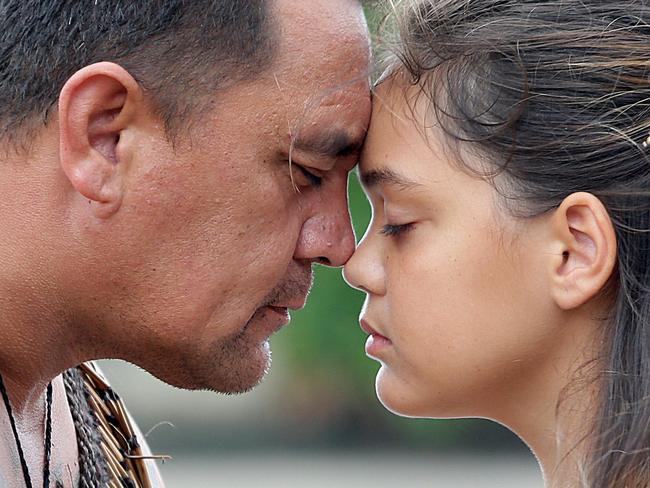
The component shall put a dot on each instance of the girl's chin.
(396, 396)
(403, 398)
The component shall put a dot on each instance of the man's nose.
(327, 237)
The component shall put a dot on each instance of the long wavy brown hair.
(555, 95)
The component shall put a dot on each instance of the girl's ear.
(585, 250)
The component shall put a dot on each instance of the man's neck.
(37, 343)
(35, 350)
(37, 336)
(64, 466)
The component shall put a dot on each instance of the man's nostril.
(324, 261)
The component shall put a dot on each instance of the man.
(170, 171)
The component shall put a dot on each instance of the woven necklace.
(48, 436)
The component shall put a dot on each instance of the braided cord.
(92, 464)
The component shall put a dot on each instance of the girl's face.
(456, 305)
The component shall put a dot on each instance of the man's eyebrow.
(382, 176)
(335, 143)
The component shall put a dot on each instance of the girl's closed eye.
(393, 230)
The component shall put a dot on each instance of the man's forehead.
(324, 39)
(330, 142)
(317, 20)
(321, 76)
(327, 124)
(331, 123)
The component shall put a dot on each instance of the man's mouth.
(283, 308)
(290, 295)
(282, 311)
(267, 320)
(278, 312)
(296, 303)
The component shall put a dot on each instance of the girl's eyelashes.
(396, 230)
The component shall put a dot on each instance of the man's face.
(217, 232)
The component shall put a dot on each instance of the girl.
(507, 264)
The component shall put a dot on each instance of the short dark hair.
(175, 49)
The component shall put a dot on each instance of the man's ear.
(585, 254)
(96, 105)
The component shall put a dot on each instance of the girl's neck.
(557, 411)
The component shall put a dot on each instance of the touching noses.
(327, 236)
(364, 270)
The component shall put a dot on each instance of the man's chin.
(243, 375)
(231, 369)
(233, 364)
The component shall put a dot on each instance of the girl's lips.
(369, 330)
(376, 342)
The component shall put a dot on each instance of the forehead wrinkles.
(335, 108)
(322, 67)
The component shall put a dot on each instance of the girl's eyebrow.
(384, 176)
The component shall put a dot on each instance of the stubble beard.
(240, 362)
(239, 365)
